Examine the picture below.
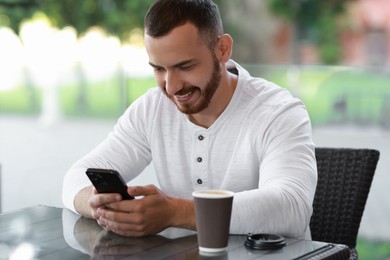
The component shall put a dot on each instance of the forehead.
(183, 42)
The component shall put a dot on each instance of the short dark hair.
(165, 15)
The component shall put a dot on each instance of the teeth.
(184, 96)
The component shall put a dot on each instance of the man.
(204, 127)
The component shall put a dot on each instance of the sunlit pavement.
(35, 155)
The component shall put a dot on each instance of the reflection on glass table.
(42, 232)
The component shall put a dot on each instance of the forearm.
(183, 213)
(270, 211)
(81, 202)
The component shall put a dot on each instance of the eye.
(158, 69)
(187, 67)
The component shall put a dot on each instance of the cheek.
(197, 79)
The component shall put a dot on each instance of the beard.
(205, 96)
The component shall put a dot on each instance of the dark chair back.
(344, 181)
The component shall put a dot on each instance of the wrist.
(81, 204)
(183, 213)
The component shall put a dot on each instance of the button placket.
(200, 166)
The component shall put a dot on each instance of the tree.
(13, 12)
(314, 20)
(117, 17)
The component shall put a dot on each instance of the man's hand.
(150, 214)
(88, 201)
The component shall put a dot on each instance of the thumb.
(142, 190)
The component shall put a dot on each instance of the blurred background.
(68, 70)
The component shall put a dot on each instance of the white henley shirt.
(260, 147)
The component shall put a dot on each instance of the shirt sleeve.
(282, 204)
(126, 150)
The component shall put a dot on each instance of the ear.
(224, 48)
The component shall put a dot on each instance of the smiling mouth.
(183, 98)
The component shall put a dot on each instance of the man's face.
(186, 70)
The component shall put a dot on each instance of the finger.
(101, 224)
(142, 190)
(124, 229)
(126, 206)
(106, 215)
(100, 200)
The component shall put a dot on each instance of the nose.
(172, 83)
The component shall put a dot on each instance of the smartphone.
(108, 181)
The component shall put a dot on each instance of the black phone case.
(108, 181)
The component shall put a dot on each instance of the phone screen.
(108, 181)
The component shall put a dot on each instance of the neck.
(218, 103)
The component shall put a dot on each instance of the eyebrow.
(177, 65)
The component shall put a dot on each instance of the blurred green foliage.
(331, 94)
(117, 17)
(18, 101)
(334, 94)
(314, 21)
(307, 12)
(14, 12)
(373, 250)
(103, 99)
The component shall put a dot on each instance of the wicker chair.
(344, 181)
